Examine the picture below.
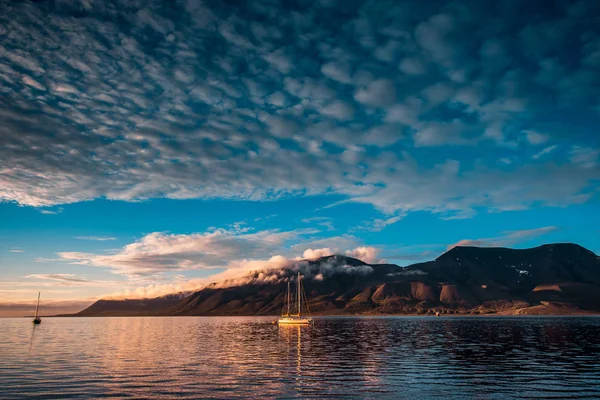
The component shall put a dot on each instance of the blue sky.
(151, 148)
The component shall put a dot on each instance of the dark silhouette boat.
(37, 320)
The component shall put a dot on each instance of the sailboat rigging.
(36, 319)
(293, 314)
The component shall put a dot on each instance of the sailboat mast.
(298, 293)
(37, 307)
(287, 299)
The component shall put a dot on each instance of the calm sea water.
(406, 357)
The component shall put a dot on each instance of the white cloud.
(507, 239)
(67, 278)
(412, 66)
(337, 71)
(404, 113)
(544, 152)
(278, 99)
(158, 252)
(310, 254)
(585, 156)
(325, 222)
(534, 137)
(379, 93)
(149, 263)
(339, 110)
(379, 224)
(259, 271)
(96, 238)
(370, 255)
(33, 83)
(446, 188)
(55, 211)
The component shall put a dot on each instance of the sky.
(153, 147)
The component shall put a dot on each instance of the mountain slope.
(130, 307)
(327, 280)
(555, 278)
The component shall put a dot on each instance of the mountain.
(130, 307)
(551, 279)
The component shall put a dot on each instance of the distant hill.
(551, 279)
(130, 307)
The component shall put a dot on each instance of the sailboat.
(292, 313)
(36, 319)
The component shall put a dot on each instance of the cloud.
(153, 265)
(33, 83)
(16, 250)
(468, 242)
(379, 93)
(159, 252)
(339, 110)
(52, 212)
(276, 269)
(316, 253)
(279, 269)
(534, 137)
(380, 224)
(337, 71)
(585, 156)
(337, 244)
(325, 222)
(69, 278)
(509, 238)
(545, 151)
(367, 108)
(54, 286)
(447, 188)
(370, 255)
(412, 66)
(96, 238)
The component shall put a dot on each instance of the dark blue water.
(412, 357)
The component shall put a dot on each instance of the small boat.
(36, 319)
(292, 313)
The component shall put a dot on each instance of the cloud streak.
(67, 278)
(96, 238)
(507, 239)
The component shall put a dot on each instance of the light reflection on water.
(249, 357)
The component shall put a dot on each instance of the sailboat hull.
(295, 321)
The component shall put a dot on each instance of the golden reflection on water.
(233, 357)
(292, 336)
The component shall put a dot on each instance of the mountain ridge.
(552, 278)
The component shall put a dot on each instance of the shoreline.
(483, 315)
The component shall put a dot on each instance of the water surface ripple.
(248, 357)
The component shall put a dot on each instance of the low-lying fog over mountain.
(550, 279)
